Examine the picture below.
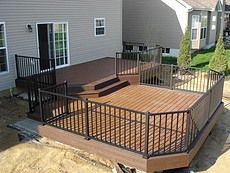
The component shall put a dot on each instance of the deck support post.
(86, 120)
(146, 149)
(40, 106)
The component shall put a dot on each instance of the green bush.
(184, 58)
(219, 61)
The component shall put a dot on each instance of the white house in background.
(70, 31)
(163, 22)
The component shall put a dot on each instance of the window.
(3, 49)
(99, 26)
(129, 48)
(166, 50)
(195, 25)
(142, 48)
(203, 31)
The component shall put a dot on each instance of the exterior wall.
(211, 29)
(154, 22)
(80, 14)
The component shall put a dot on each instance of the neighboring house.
(163, 22)
(227, 15)
(71, 31)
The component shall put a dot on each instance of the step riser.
(105, 92)
(111, 90)
(100, 85)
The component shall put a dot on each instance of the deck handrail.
(127, 63)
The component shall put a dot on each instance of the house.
(163, 22)
(70, 31)
(227, 15)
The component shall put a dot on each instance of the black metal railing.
(147, 133)
(176, 78)
(127, 63)
(30, 71)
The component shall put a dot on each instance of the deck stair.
(102, 87)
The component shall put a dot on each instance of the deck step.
(101, 83)
(103, 91)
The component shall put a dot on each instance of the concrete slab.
(28, 126)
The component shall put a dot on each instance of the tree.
(184, 59)
(219, 61)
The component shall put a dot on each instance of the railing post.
(160, 54)
(41, 106)
(17, 67)
(210, 104)
(86, 120)
(208, 80)
(171, 77)
(138, 63)
(66, 94)
(116, 64)
(146, 149)
(187, 130)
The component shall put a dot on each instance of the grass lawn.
(199, 59)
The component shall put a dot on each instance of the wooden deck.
(84, 73)
(150, 99)
(126, 128)
(119, 155)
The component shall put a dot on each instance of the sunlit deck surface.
(150, 99)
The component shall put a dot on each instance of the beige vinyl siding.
(80, 14)
(154, 22)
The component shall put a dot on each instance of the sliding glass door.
(60, 44)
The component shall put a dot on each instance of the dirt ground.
(32, 156)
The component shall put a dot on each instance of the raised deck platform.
(129, 158)
(158, 123)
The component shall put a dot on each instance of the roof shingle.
(210, 4)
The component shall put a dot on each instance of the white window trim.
(95, 27)
(6, 48)
(67, 30)
(197, 37)
(204, 28)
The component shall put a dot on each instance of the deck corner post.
(86, 120)
(187, 130)
(146, 149)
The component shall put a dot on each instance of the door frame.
(67, 36)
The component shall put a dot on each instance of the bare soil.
(41, 155)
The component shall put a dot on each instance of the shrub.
(219, 61)
(184, 58)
